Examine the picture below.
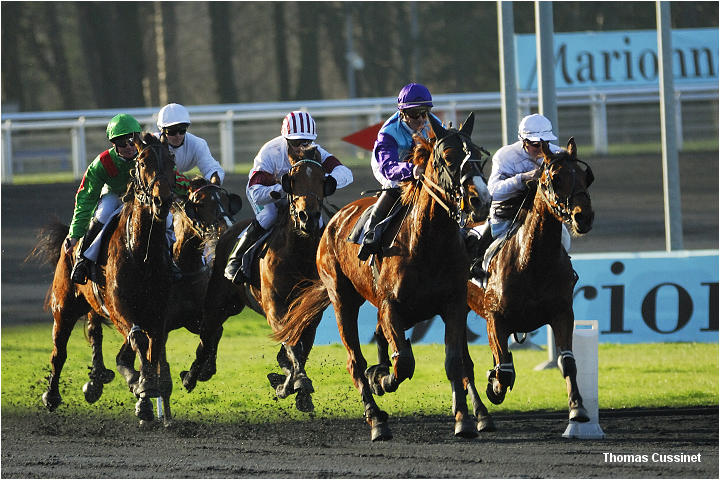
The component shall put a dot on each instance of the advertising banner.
(620, 58)
(636, 298)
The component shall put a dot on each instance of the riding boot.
(81, 270)
(233, 272)
(477, 250)
(371, 242)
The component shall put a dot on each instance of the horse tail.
(310, 300)
(50, 240)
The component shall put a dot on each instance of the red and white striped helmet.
(297, 125)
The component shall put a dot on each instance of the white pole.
(585, 350)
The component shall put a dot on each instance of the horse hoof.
(380, 432)
(496, 398)
(375, 374)
(187, 381)
(579, 414)
(465, 428)
(147, 424)
(144, 409)
(206, 372)
(304, 403)
(486, 424)
(284, 391)
(51, 401)
(93, 391)
(275, 379)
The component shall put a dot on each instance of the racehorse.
(287, 258)
(531, 278)
(136, 265)
(198, 222)
(423, 272)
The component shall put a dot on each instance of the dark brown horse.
(288, 258)
(198, 222)
(422, 273)
(136, 267)
(531, 279)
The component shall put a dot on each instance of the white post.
(599, 124)
(7, 160)
(585, 350)
(79, 153)
(552, 352)
(227, 143)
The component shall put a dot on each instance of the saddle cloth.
(255, 250)
(361, 227)
(491, 251)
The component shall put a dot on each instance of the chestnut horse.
(287, 258)
(136, 266)
(531, 278)
(422, 273)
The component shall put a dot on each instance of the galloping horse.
(531, 278)
(137, 280)
(422, 273)
(287, 259)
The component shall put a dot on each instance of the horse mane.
(420, 156)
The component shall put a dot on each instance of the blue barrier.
(636, 297)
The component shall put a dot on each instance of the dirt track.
(528, 445)
(627, 198)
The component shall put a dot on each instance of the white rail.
(370, 110)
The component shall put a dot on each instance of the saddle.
(361, 227)
(256, 251)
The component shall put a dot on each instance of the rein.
(560, 209)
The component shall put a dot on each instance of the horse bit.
(563, 210)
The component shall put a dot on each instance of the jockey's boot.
(233, 272)
(81, 270)
(476, 249)
(371, 242)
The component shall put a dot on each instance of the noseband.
(562, 208)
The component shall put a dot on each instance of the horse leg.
(485, 422)
(146, 387)
(404, 360)
(62, 328)
(99, 375)
(375, 373)
(566, 362)
(502, 376)
(204, 366)
(166, 387)
(298, 355)
(456, 370)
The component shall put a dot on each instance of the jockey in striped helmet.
(264, 190)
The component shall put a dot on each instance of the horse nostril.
(303, 216)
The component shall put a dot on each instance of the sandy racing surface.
(526, 445)
(627, 197)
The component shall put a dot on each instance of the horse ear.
(437, 127)
(190, 210)
(234, 203)
(572, 148)
(545, 148)
(329, 186)
(286, 184)
(467, 126)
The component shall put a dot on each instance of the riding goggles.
(415, 113)
(175, 130)
(123, 141)
(299, 142)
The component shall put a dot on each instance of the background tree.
(222, 50)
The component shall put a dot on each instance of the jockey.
(104, 182)
(189, 150)
(512, 167)
(264, 189)
(393, 147)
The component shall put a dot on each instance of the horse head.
(153, 176)
(476, 198)
(210, 207)
(564, 186)
(306, 186)
(452, 171)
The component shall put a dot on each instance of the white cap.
(297, 125)
(535, 128)
(172, 114)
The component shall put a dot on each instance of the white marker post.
(585, 350)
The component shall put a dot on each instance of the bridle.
(216, 191)
(294, 214)
(143, 191)
(455, 191)
(562, 208)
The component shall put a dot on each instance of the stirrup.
(81, 271)
(367, 249)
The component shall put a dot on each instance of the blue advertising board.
(620, 58)
(636, 297)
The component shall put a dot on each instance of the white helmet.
(172, 114)
(535, 128)
(298, 125)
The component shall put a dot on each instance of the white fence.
(36, 142)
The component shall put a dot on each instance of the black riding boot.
(371, 242)
(233, 272)
(476, 248)
(81, 271)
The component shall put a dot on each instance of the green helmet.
(122, 124)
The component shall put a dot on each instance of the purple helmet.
(414, 95)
